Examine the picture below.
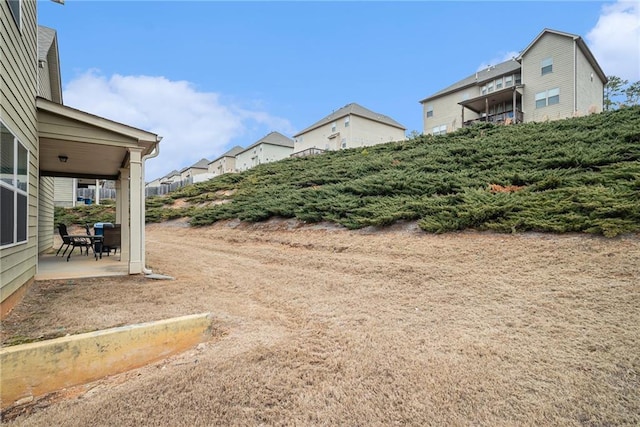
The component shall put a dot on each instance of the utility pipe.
(154, 153)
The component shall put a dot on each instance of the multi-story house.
(555, 77)
(349, 127)
(226, 163)
(272, 147)
(40, 139)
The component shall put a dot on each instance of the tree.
(632, 93)
(614, 88)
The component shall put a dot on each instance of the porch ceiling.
(478, 104)
(94, 147)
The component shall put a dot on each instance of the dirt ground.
(316, 325)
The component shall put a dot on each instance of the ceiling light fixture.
(63, 158)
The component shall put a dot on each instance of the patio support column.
(123, 203)
(135, 210)
(96, 196)
(515, 109)
(118, 201)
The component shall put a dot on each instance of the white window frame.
(333, 127)
(343, 143)
(547, 97)
(429, 111)
(346, 121)
(499, 83)
(439, 130)
(508, 81)
(17, 188)
(546, 66)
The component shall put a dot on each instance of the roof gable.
(579, 41)
(356, 110)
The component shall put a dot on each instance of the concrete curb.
(35, 369)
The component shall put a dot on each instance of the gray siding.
(18, 112)
(44, 83)
(560, 48)
(45, 214)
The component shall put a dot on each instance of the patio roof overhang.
(479, 104)
(77, 144)
(93, 147)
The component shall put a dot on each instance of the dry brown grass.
(329, 327)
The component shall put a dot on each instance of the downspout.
(154, 153)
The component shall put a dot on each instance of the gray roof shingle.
(479, 77)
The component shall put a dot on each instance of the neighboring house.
(225, 163)
(41, 139)
(65, 191)
(201, 166)
(273, 147)
(555, 77)
(349, 127)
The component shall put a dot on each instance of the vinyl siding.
(45, 214)
(365, 132)
(223, 165)
(446, 110)
(63, 192)
(361, 132)
(18, 48)
(259, 154)
(44, 83)
(589, 91)
(560, 48)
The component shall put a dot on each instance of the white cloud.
(615, 40)
(193, 124)
(501, 57)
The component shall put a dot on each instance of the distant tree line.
(618, 87)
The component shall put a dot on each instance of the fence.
(90, 193)
(167, 188)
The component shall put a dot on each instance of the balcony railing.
(498, 118)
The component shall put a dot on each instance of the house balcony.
(498, 118)
(495, 107)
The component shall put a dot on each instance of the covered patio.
(495, 107)
(77, 144)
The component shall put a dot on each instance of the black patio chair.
(72, 242)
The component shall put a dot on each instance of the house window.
(548, 97)
(429, 110)
(518, 79)
(553, 96)
(14, 6)
(333, 127)
(490, 87)
(483, 91)
(546, 66)
(499, 84)
(440, 130)
(343, 143)
(14, 172)
(508, 81)
(346, 121)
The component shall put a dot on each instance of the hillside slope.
(574, 175)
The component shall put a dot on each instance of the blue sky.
(209, 75)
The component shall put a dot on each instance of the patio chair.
(111, 239)
(72, 242)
